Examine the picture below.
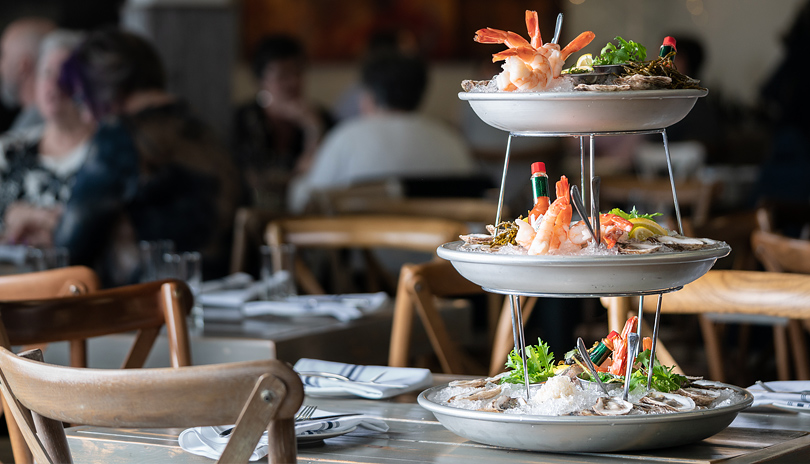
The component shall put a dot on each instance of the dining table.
(764, 434)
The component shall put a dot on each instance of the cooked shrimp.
(529, 65)
(525, 233)
(614, 228)
(555, 222)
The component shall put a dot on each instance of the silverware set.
(304, 415)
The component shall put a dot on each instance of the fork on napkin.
(209, 442)
(373, 382)
(789, 394)
(342, 307)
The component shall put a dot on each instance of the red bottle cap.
(538, 167)
(670, 41)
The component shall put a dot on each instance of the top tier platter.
(582, 112)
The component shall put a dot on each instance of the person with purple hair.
(155, 171)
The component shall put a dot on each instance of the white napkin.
(233, 298)
(233, 281)
(790, 394)
(387, 381)
(206, 441)
(342, 307)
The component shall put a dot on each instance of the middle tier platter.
(595, 275)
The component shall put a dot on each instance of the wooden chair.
(694, 195)
(419, 287)
(363, 232)
(752, 293)
(248, 227)
(778, 253)
(54, 313)
(255, 395)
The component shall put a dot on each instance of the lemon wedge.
(641, 233)
(585, 60)
(644, 228)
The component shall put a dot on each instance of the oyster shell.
(681, 243)
(668, 402)
(479, 395)
(502, 403)
(701, 397)
(638, 248)
(477, 239)
(612, 406)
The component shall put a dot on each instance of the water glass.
(152, 265)
(41, 259)
(186, 266)
(278, 271)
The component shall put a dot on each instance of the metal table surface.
(416, 436)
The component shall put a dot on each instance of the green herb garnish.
(539, 364)
(632, 214)
(663, 379)
(628, 51)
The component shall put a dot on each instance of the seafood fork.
(304, 414)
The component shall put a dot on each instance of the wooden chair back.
(364, 232)
(473, 210)
(419, 287)
(778, 253)
(248, 229)
(753, 293)
(254, 395)
(50, 306)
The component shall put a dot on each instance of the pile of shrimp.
(529, 65)
(551, 232)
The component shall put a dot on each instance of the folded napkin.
(789, 394)
(232, 282)
(342, 307)
(372, 382)
(206, 441)
(233, 298)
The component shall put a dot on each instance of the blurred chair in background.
(364, 233)
(257, 396)
(248, 235)
(423, 287)
(754, 294)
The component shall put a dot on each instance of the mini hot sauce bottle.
(539, 189)
(667, 47)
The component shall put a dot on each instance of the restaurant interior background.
(206, 43)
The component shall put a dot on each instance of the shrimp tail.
(580, 42)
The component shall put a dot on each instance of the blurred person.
(390, 140)
(348, 104)
(782, 183)
(276, 135)
(19, 48)
(38, 164)
(155, 171)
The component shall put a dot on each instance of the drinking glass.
(278, 271)
(186, 266)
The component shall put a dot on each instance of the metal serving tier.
(582, 115)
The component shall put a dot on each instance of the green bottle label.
(540, 186)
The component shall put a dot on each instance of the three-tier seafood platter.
(602, 254)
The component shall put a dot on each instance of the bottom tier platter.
(584, 433)
(582, 275)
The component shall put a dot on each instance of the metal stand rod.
(520, 338)
(672, 182)
(640, 312)
(582, 167)
(654, 340)
(503, 183)
(592, 169)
